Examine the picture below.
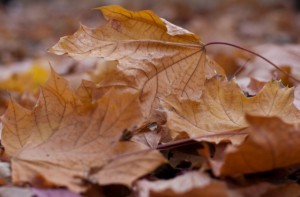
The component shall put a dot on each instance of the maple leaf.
(195, 183)
(71, 138)
(223, 106)
(271, 144)
(153, 55)
(15, 127)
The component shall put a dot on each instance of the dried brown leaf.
(69, 138)
(154, 55)
(15, 127)
(271, 144)
(134, 164)
(223, 106)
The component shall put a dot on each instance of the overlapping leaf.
(73, 139)
(154, 55)
(196, 183)
(223, 106)
(271, 144)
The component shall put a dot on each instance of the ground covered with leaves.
(138, 107)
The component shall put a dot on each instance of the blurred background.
(29, 27)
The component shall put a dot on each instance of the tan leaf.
(150, 134)
(274, 100)
(135, 164)
(189, 184)
(195, 184)
(16, 127)
(223, 106)
(154, 55)
(271, 144)
(70, 138)
(151, 139)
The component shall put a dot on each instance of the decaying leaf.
(198, 184)
(154, 55)
(153, 85)
(219, 110)
(16, 127)
(151, 134)
(151, 139)
(127, 168)
(189, 184)
(223, 106)
(69, 138)
(271, 144)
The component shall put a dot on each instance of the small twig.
(254, 53)
(178, 143)
(239, 69)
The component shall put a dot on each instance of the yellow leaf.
(27, 81)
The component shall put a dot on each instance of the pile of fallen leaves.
(160, 119)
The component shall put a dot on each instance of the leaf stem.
(178, 143)
(253, 53)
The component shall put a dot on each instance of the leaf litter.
(160, 92)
